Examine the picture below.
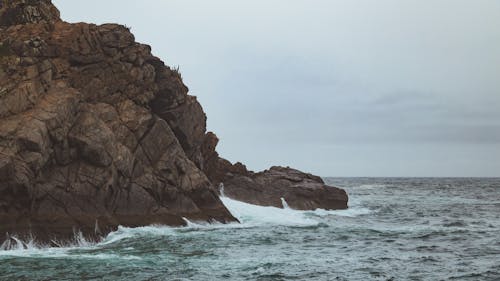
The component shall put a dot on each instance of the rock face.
(27, 11)
(96, 132)
(300, 191)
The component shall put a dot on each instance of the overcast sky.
(337, 88)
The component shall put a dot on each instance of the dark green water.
(396, 229)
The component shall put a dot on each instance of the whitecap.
(254, 215)
(249, 214)
(130, 232)
(284, 203)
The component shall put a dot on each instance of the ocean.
(395, 229)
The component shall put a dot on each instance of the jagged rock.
(96, 132)
(80, 147)
(27, 11)
(300, 190)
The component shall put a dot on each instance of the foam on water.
(249, 215)
(259, 215)
(255, 215)
(16, 247)
(14, 243)
(136, 232)
(432, 232)
(284, 203)
(65, 252)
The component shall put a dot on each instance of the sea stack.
(96, 132)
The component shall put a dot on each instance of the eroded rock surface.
(96, 132)
(279, 187)
(301, 191)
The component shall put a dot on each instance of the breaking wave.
(254, 215)
(249, 215)
(421, 229)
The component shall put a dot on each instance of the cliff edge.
(96, 132)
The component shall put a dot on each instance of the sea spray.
(248, 214)
(421, 238)
(221, 189)
(284, 203)
(254, 215)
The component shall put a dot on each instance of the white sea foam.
(77, 249)
(221, 189)
(259, 215)
(249, 216)
(284, 203)
(14, 243)
(73, 252)
(130, 232)
(14, 246)
(253, 215)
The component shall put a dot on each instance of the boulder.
(282, 187)
(273, 187)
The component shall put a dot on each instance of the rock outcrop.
(301, 191)
(280, 187)
(96, 132)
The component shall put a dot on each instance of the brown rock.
(6, 167)
(299, 190)
(79, 146)
(27, 11)
(96, 132)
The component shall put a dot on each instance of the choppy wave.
(394, 229)
(254, 215)
(249, 215)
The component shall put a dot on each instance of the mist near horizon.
(336, 88)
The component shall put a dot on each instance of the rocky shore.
(96, 132)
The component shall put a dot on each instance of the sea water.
(394, 229)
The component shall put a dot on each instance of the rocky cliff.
(96, 132)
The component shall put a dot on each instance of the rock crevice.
(95, 130)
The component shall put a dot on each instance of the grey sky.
(337, 88)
